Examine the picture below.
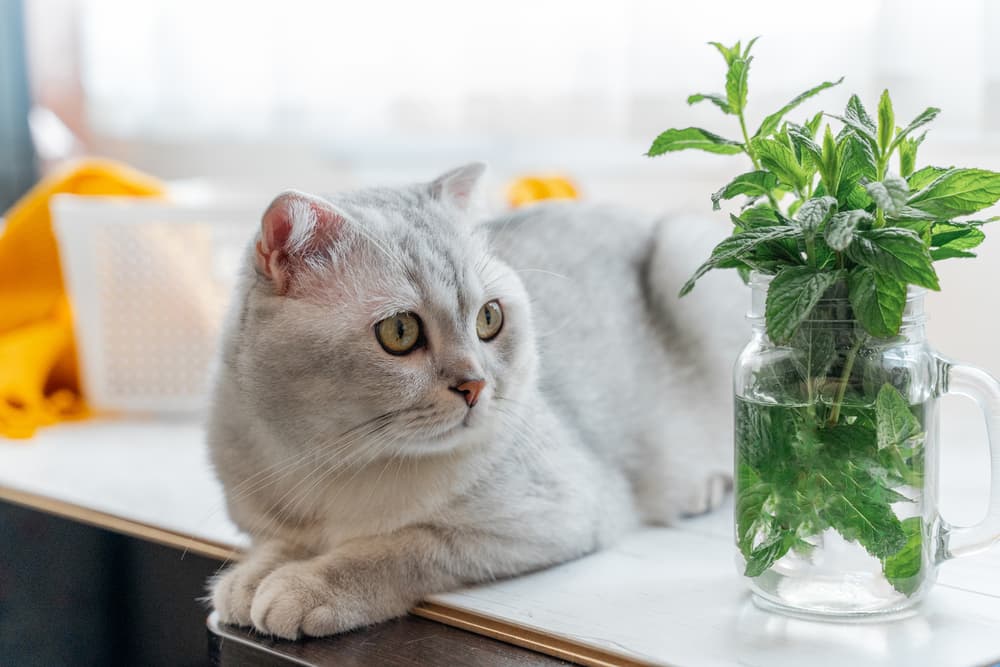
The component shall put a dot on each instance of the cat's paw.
(297, 599)
(707, 495)
(233, 592)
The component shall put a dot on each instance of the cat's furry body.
(606, 403)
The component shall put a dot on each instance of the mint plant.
(844, 222)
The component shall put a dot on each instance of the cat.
(409, 401)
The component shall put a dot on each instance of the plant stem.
(746, 142)
(879, 213)
(845, 377)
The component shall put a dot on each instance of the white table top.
(152, 473)
(662, 596)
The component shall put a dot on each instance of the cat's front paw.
(233, 592)
(707, 495)
(297, 599)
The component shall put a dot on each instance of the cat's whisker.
(375, 455)
(374, 425)
(269, 475)
(331, 475)
(544, 272)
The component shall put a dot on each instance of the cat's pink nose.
(470, 389)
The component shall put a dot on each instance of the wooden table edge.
(481, 625)
(132, 528)
(557, 647)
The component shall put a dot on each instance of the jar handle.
(984, 389)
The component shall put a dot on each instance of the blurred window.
(376, 80)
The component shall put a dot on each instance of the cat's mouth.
(471, 419)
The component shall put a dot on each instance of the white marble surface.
(664, 596)
(152, 472)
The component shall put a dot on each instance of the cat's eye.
(399, 334)
(489, 321)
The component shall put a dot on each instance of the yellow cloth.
(39, 377)
(530, 189)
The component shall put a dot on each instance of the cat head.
(379, 323)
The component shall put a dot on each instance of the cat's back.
(602, 347)
(572, 235)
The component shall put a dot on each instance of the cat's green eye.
(489, 321)
(399, 334)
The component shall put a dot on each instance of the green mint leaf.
(921, 178)
(737, 248)
(890, 194)
(858, 162)
(856, 113)
(779, 158)
(897, 428)
(908, 154)
(840, 230)
(751, 495)
(791, 297)
(926, 116)
(762, 436)
(813, 123)
(856, 512)
(813, 213)
(746, 50)
(769, 551)
(850, 441)
(803, 143)
(902, 568)
(752, 183)
(958, 192)
(770, 123)
(911, 218)
(954, 239)
(900, 436)
(878, 301)
(860, 123)
(717, 100)
(899, 253)
(830, 162)
(696, 138)
(962, 236)
(729, 53)
(736, 83)
(815, 351)
(886, 122)
(946, 252)
(756, 217)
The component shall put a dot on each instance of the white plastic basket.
(149, 282)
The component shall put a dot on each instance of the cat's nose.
(470, 389)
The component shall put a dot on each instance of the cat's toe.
(708, 495)
(293, 601)
(232, 595)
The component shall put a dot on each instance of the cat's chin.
(469, 432)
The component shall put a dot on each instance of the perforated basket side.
(149, 283)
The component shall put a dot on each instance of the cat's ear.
(294, 227)
(458, 185)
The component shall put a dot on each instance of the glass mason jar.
(837, 462)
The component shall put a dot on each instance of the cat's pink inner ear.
(294, 226)
(458, 185)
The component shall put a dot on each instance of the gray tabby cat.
(410, 402)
